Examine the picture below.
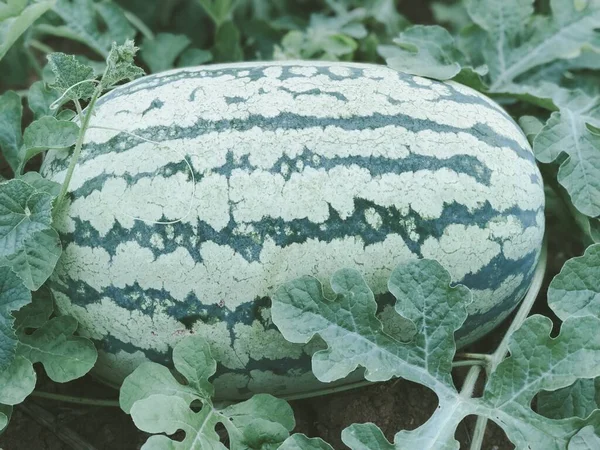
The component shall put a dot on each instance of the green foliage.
(301, 442)
(81, 19)
(575, 291)
(5, 413)
(73, 79)
(541, 60)
(159, 403)
(13, 296)
(65, 357)
(355, 338)
(161, 52)
(566, 131)
(16, 17)
(219, 10)
(11, 111)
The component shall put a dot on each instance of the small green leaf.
(17, 381)
(161, 52)
(11, 112)
(575, 291)
(13, 295)
(64, 356)
(39, 99)
(194, 57)
(5, 413)
(120, 65)
(45, 134)
(218, 10)
(23, 212)
(192, 359)
(12, 28)
(160, 404)
(586, 439)
(301, 442)
(72, 78)
(35, 262)
(227, 43)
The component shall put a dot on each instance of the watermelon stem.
(85, 122)
(469, 362)
(74, 399)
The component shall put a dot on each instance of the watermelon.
(201, 190)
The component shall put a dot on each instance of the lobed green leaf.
(159, 403)
(13, 295)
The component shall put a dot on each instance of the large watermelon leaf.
(574, 292)
(567, 132)
(159, 403)
(355, 338)
(65, 357)
(507, 37)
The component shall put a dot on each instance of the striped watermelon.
(201, 190)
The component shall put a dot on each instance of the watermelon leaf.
(586, 439)
(429, 51)
(301, 442)
(16, 17)
(95, 24)
(35, 262)
(575, 291)
(11, 112)
(40, 97)
(159, 403)
(73, 79)
(355, 338)
(13, 295)
(5, 413)
(64, 356)
(47, 133)
(507, 37)
(161, 52)
(23, 211)
(567, 132)
(218, 10)
(120, 66)
(578, 400)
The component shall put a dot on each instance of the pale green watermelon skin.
(299, 168)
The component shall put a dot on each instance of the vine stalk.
(502, 350)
